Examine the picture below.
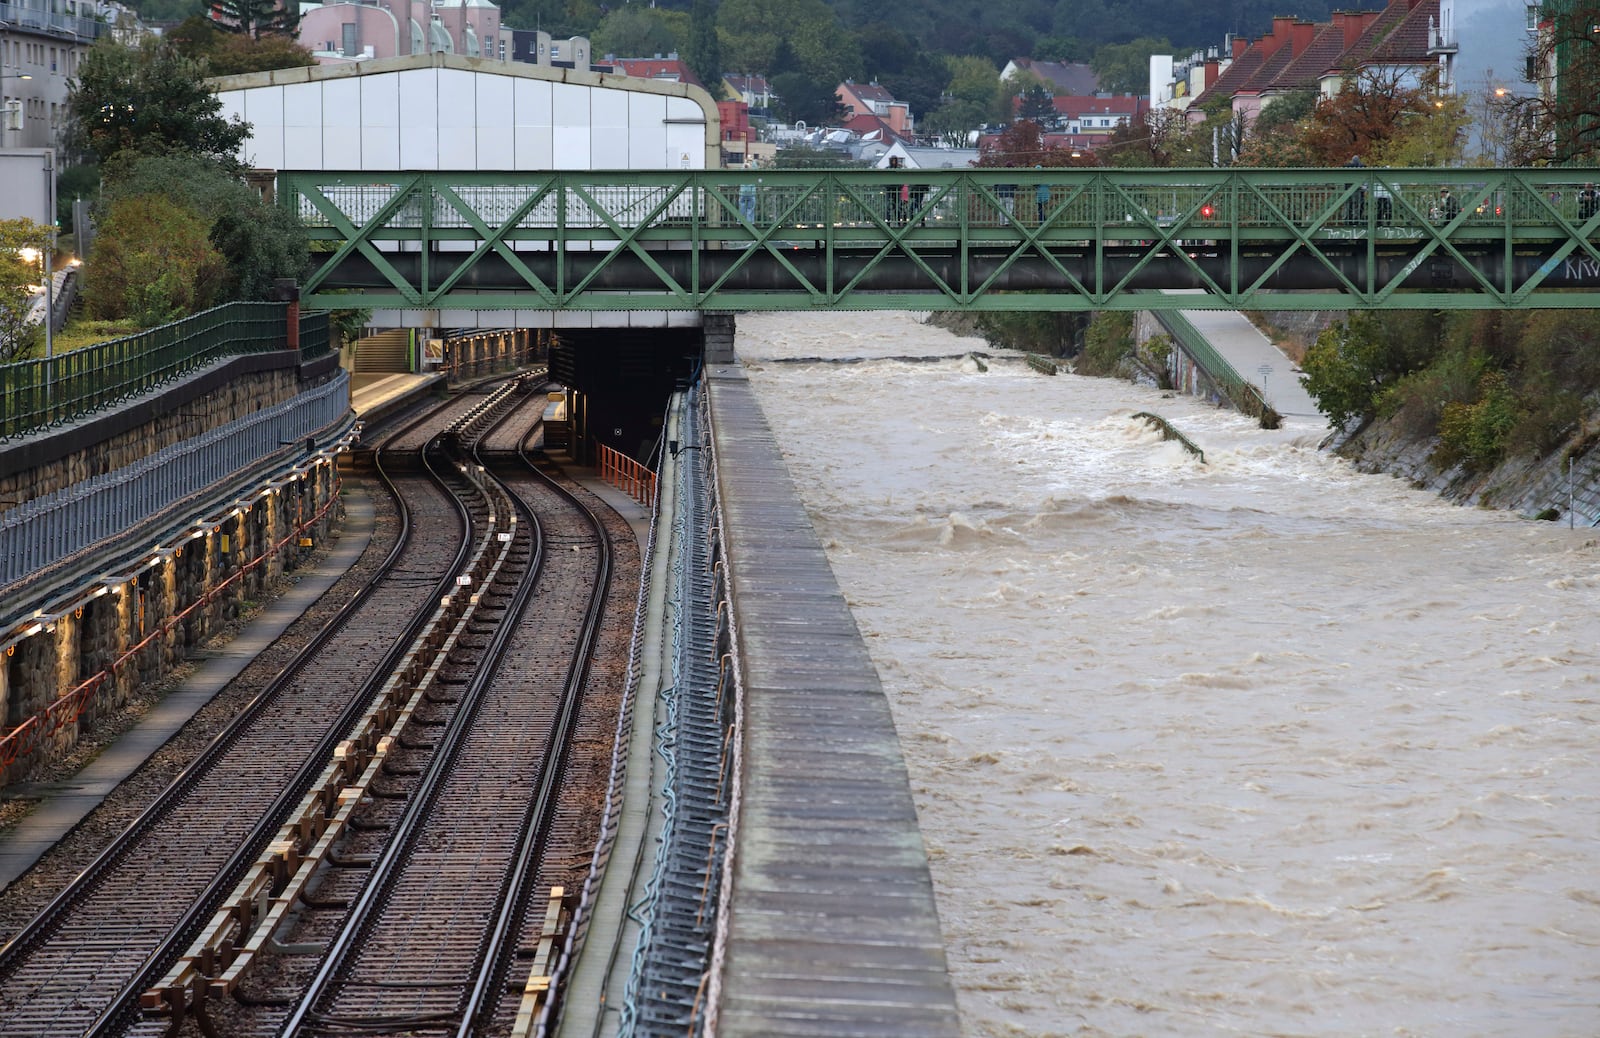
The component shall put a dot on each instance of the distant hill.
(1002, 31)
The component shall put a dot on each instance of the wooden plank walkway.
(832, 929)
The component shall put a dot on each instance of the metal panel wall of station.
(445, 112)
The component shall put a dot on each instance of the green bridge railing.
(956, 239)
(40, 393)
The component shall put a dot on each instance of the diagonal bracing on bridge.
(948, 239)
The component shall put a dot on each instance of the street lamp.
(5, 115)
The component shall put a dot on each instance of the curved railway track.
(435, 898)
(429, 943)
(77, 967)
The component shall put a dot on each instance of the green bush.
(1477, 434)
(1106, 342)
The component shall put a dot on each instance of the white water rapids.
(1260, 746)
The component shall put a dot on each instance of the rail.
(50, 391)
(1170, 432)
(627, 475)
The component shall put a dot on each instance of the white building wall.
(445, 112)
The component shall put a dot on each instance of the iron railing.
(967, 239)
(45, 530)
(51, 391)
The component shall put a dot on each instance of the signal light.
(1208, 211)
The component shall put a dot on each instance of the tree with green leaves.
(635, 31)
(753, 31)
(232, 53)
(255, 18)
(1124, 68)
(152, 262)
(257, 243)
(802, 97)
(1354, 362)
(705, 50)
(1037, 104)
(19, 276)
(148, 99)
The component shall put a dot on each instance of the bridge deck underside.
(1059, 239)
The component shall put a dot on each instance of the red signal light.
(1208, 211)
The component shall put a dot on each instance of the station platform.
(832, 929)
(379, 394)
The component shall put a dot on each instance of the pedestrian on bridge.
(1448, 208)
(1588, 202)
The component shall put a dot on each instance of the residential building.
(914, 157)
(870, 127)
(869, 99)
(41, 44)
(741, 145)
(1405, 42)
(1564, 65)
(669, 69)
(347, 31)
(754, 91)
(1061, 76)
(1098, 115)
(535, 47)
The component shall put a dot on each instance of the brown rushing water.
(1261, 746)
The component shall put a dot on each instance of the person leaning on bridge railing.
(1588, 202)
(1355, 208)
(1446, 209)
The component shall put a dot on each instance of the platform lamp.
(5, 116)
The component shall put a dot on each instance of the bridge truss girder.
(989, 239)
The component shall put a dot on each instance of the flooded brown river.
(1255, 746)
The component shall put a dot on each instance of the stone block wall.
(86, 648)
(84, 658)
(31, 472)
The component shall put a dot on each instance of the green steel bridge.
(946, 239)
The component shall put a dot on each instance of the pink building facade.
(343, 32)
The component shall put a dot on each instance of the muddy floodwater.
(1257, 746)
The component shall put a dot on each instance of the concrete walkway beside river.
(1258, 361)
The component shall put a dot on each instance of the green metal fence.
(53, 391)
(1244, 395)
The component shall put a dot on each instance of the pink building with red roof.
(870, 99)
(1405, 40)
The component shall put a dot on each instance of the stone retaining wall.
(87, 646)
(235, 388)
(82, 658)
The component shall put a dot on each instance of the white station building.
(446, 112)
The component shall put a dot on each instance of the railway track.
(340, 861)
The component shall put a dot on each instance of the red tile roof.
(1408, 43)
(865, 124)
(659, 68)
(866, 91)
(1077, 107)
(1295, 56)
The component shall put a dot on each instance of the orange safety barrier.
(31, 733)
(627, 475)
